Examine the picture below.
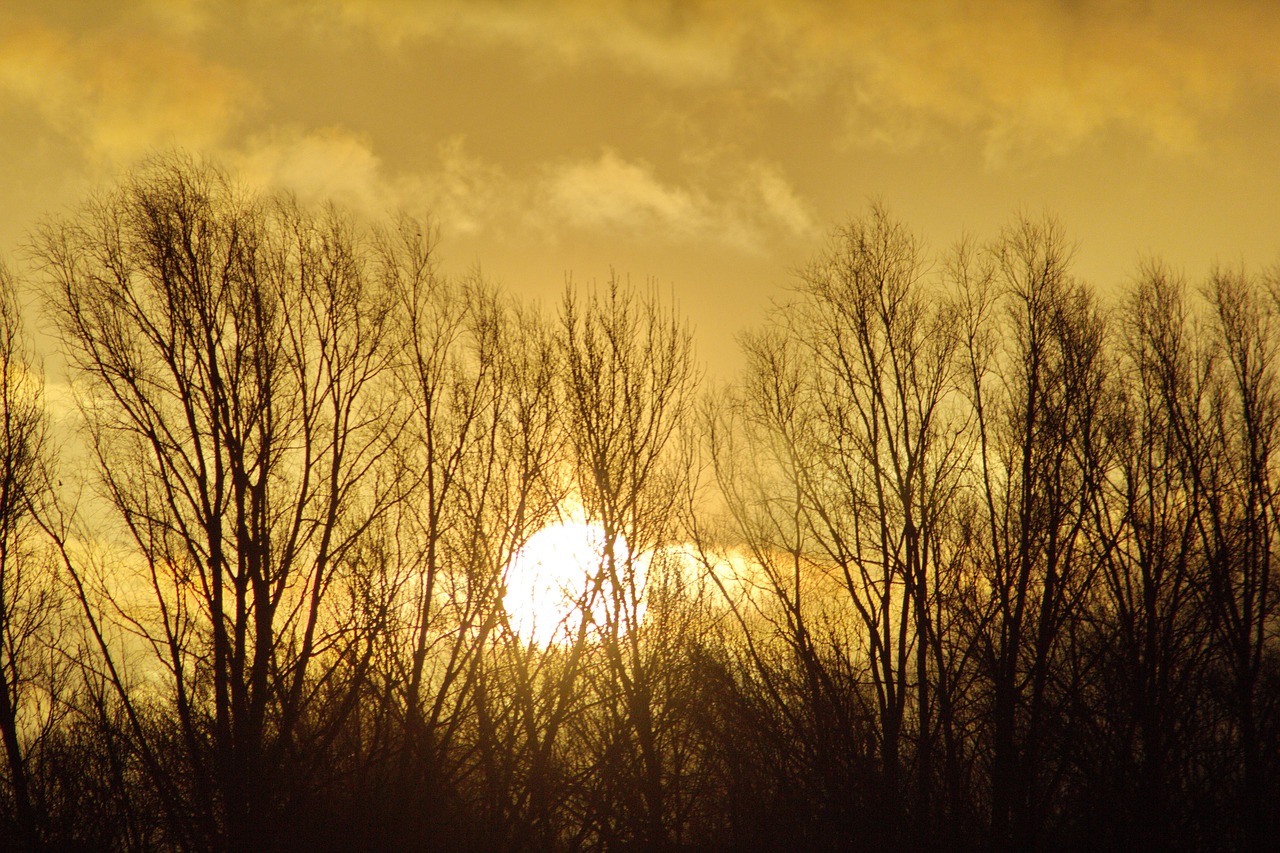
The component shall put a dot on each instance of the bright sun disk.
(551, 578)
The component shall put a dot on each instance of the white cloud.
(461, 192)
(330, 163)
(746, 205)
(741, 204)
(665, 39)
(120, 97)
(610, 192)
(778, 200)
(1031, 77)
(464, 193)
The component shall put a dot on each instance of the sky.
(708, 147)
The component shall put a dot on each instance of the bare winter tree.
(1041, 403)
(1144, 704)
(29, 597)
(851, 395)
(630, 380)
(484, 443)
(959, 562)
(1240, 536)
(1225, 413)
(231, 353)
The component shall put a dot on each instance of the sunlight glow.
(552, 581)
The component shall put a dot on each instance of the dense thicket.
(966, 558)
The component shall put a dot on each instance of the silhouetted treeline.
(967, 558)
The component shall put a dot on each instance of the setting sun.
(560, 425)
(551, 582)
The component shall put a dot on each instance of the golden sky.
(708, 145)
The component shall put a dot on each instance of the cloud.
(461, 192)
(329, 163)
(745, 205)
(1031, 77)
(741, 204)
(180, 17)
(778, 200)
(663, 38)
(120, 96)
(612, 193)
(466, 194)
(1046, 76)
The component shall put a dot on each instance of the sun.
(560, 575)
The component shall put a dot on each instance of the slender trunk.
(18, 780)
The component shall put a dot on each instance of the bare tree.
(1041, 403)
(957, 562)
(484, 444)
(1222, 401)
(630, 380)
(851, 397)
(231, 354)
(29, 598)
(1145, 642)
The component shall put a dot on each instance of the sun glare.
(551, 582)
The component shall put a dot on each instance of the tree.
(1042, 404)
(1141, 730)
(630, 380)
(29, 599)
(1240, 526)
(232, 354)
(484, 445)
(850, 398)
(962, 559)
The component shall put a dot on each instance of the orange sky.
(706, 145)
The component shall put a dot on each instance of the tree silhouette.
(235, 350)
(966, 558)
(32, 673)
(1041, 404)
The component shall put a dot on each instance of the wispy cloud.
(741, 204)
(1043, 76)
(463, 193)
(329, 163)
(123, 95)
(611, 192)
(466, 194)
(1032, 77)
(662, 38)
